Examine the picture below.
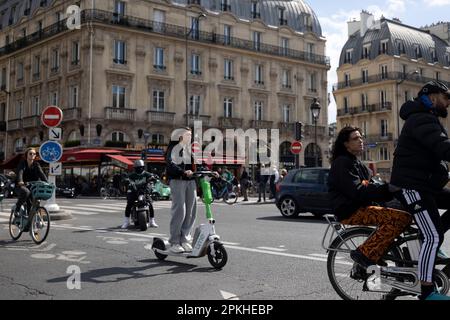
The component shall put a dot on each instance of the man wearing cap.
(420, 174)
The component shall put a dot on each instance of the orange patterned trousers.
(390, 222)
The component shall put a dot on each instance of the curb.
(60, 215)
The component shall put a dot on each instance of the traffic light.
(298, 131)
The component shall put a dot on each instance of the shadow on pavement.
(300, 218)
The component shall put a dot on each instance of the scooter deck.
(173, 254)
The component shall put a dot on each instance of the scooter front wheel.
(159, 244)
(219, 260)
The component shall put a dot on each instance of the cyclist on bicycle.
(138, 177)
(421, 174)
(354, 198)
(28, 170)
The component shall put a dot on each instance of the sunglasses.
(31, 154)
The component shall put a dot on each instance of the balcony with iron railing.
(261, 124)
(14, 124)
(120, 114)
(161, 117)
(107, 17)
(387, 137)
(199, 117)
(31, 122)
(377, 107)
(389, 76)
(72, 114)
(230, 123)
(309, 130)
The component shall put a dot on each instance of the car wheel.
(289, 208)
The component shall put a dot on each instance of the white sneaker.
(152, 223)
(126, 223)
(187, 247)
(176, 248)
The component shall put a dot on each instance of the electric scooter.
(205, 241)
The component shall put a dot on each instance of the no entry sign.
(51, 116)
(296, 147)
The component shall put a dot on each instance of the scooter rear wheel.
(221, 258)
(159, 244)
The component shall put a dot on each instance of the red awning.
(77, 155)
(120, 161)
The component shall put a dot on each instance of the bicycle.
(32, 216)
(398, 278)
(225, 190)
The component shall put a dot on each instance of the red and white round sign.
(296, 147)
(51, 116)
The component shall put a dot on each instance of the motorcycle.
(142, 208)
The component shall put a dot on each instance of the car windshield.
(307, 176)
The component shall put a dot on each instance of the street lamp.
(397, 84)
(5, 147)
(315, 111)
(144, 152)
(200, 16)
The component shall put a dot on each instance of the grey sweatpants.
(183, 211)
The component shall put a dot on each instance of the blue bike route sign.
(50, 151)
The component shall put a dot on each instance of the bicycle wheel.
(40, 225)
(15, 226)
(340, 266)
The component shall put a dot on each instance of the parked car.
(304, 190)
(67, 192)
(8, 189)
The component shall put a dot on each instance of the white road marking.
(228, 295)
(272, 249)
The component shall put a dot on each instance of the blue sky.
(333, 17)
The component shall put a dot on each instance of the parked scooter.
(205, 241)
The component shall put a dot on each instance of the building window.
(346, 106)
(12, 15)
(73, 97)
(228, 69)
(348, 56)
(75, 59)
(20, 71)
(158, 100)
(194, 105)
(255, 10)
(284, 46)
(384, 128)
(258, 110)
(228, 107)
(19, 109)
(365, 155)
(384, 46)
(365, 76)
(417, 51)
(286, 79)
(119, 52)
(282, 20)
(119, 10)
(259, 70)
(384, 72)
(256, 40)
(364, 101)
(3, 79)
(347, 79)
(383, 99)
(35, 106)
(433, 55)
(158, 62)
(437, 75)
(227, 34)
(225, 5)
(118, 97)
(195, 28)
(195, 64)
(384, 154)
(286, 113)
(36, 67)
(312, 82)
(54, 60)
(447, 59)
(366, 51)
(307, 22)
(400, 47)
(364, 130)
(159, 20)
(59, 16)
(118, 136)
(54, 98)
(157, 138)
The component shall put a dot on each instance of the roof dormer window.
(225, 5)
(307, 22)
(400, 47)
(349, 56)
(433, 55)
(255, 10)
(281, 17)
(12, 15)
(366, 51)
(384, 46)
(417, 51)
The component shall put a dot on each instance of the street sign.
(50, 151)
(296, 147)
(55, 168)
(55, 134)
(96, 142)
(51, 116)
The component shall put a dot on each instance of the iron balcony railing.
(72, 114)
(309, 130)
(31, 122)
(106, 17)
(377, 107)
(261, 124)
(286, 127)
(112, 113)
(378, 138)
(389, 76)
(230, 123)
(199, 117)
(15, 124)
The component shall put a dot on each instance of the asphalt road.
(270, 257)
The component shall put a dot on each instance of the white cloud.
(436, 3)
(335, 31)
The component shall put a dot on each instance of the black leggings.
(23, 193)
(425, 207)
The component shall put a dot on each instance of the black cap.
(434, 87)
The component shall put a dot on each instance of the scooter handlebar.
(199, 174)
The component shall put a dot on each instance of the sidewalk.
(254, 201)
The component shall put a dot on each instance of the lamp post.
(5, 147)
(315, 111)
(200, 16)
(144, 152)
(397, 84)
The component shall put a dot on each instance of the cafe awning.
(120, 161)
